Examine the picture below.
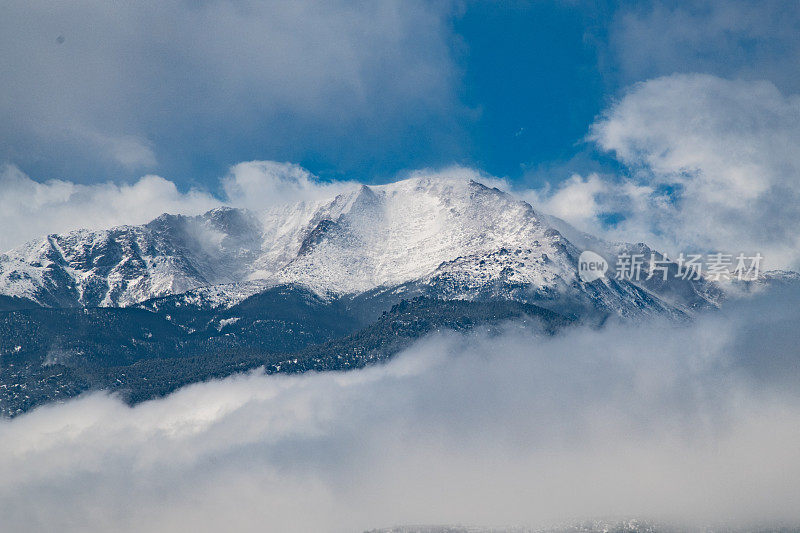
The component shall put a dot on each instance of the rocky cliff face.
(448, 238)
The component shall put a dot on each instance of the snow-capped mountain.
(128, 264)
(328, 285)
(456, 238)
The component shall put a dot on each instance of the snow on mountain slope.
(456, 239)
(391, 234)
(128, 264)
(687, 293)
(455, 235)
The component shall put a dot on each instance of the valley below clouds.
(691, 423)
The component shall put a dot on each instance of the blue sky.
(185, 90)
(500, 86)
(531, 72)
(671, 123)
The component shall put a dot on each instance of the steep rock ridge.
(455, 239)
(447, 238)
(686, 293)
(128, 264)
(392, 234)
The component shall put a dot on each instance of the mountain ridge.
(460, 235)
(333, 284)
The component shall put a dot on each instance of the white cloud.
(458, 172)
(713, 167)
(730, 38)
(260, 184)
(575, 199)
(692, 422)
(126, 150)
(92, 89)
(29, 209)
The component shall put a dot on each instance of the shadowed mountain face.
(331, 285)
(54, 354)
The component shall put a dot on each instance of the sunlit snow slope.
(451, 238)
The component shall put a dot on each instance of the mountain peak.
(452, 235)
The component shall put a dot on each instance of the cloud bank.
(694, 423)
(709, 165)
(732, 38)
(93, 89)
(712, 165)
(30, 210)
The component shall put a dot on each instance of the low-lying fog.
(696, 423)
